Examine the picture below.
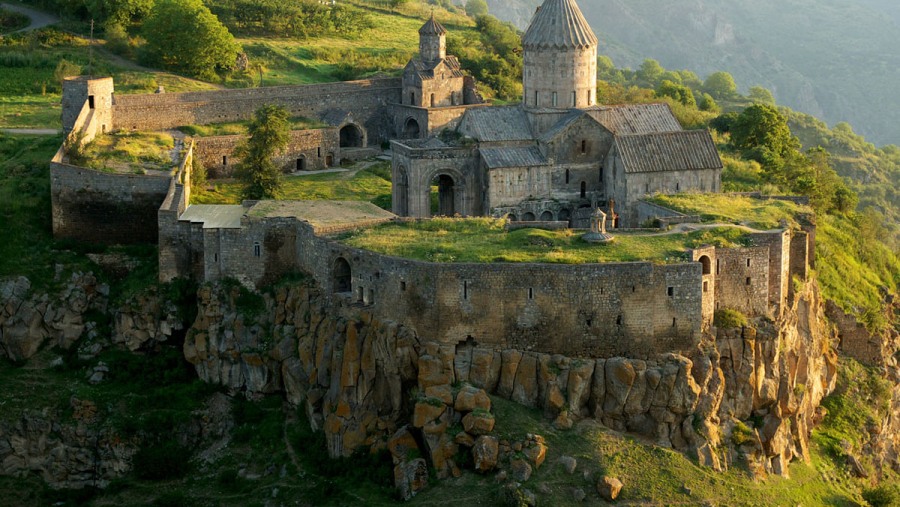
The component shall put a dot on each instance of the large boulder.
(486, 453)
(410, 477)
(609, 488)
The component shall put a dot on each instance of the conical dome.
(559, 24)
(432, 27)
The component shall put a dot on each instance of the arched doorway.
(706, 263)
(351, 136)
(547, 216)
(443, 201)
(341, 276)
(329, 160)
(511, 217)
(301, 163)
(411, 129)
(401, 208)
(564, 216)
(528, 217)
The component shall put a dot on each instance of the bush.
(881, 496)
(728, 318)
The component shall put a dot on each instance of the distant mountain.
(836, 59)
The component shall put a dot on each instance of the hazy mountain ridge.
(826, 58)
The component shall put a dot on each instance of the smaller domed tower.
(96, 93)
(432, 41)
(560, 58)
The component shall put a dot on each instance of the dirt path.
(38, 19)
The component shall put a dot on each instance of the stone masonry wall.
(742, 279)
(100, 207)
(311, 146)
(367, 100)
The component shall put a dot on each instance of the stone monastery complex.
(546, 162)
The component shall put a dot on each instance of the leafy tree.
(761, 95)
(720, 85)
(476, 8)
(650, 72)
(723, 123)
(709, 104)
(761, 131)
(269, 132)
(690, 79)
(679, 92)
(123, 12)
(183, 35)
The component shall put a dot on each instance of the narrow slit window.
(224, 160)
(705, 286)
(567, 176)
(619, 320)
(583, 146)
(530, 293)
(671, 291)
(257, 250)
(748, 263)
(674, 321)
(403, 286)
(91, 101)
(748, 280)
(574, 99)
(465, 290)
(216, 258)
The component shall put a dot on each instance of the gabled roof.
(492, 124)
(670, 151)
(426, 70)
(566, 122)
(637, 119)
(528, 156)
(214, 216)
(558, 24)
(432, 27)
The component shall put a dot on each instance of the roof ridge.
(560, 24)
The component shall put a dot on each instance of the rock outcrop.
(31, 321)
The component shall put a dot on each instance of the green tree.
(720, 85)
(679, 92)
(269, 133)
(762, 132)
(709, 104)
(476, 8)
(183, 35)
(650, 72)
(123, 12)
(760, 95)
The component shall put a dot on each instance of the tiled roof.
(559, 24)
(432, 27)
(671, 151)
(637, 119)
(426, 69)
(492, 124)
(512, 157)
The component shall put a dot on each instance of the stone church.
(552, 156)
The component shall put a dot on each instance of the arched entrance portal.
(301, 163)
(528, 217)
(411, 129)
(442, 201)
(341, 276)
(707, 265)
(547, 216)
(351, 136)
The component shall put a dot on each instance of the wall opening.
(528, 217)
(674, 321)
(530, 293)
(748, 280)
(371, 296)
(432, 100)
(351, 137)
(319, 152)
(465, 289)
(257, 249)
(574, 99)
(512, 217)
(341, 276)
(564, 215)
(600, 174)
(670, 291)
(546, 216)
(411, 129)
(360, 294)
(619, 320)
(554, 99)
(583, 189)
(748, 263)
(443, 201)
(536, 101)
(583, 146)
(567, 176)
(224, 160)
(412, 98)
(91, 101)
(705, 286)
(301, 163)
(402, 285)
(329, 160)
(705, 262)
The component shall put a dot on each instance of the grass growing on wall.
(371, 184)
(755, 213)
(131, 152)
(485, 240)
(240, 127)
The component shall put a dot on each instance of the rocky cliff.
(751, 391)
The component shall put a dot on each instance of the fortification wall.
(368, 101)
(779, 244)
(179, 244)
(108, 208)
(308, 150)
(742, 279)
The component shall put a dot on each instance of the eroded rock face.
(30, 321)
(145, 319)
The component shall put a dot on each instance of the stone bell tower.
(432, 41)
(560, 53)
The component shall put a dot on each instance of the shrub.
(730, 318)
(881, 496)
(741, 434)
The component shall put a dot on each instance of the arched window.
(707, 265)
(341, 276)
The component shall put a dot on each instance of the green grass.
(485, 240)
(240, 127)
(755, 213)
(130, 152)
(371, 184)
